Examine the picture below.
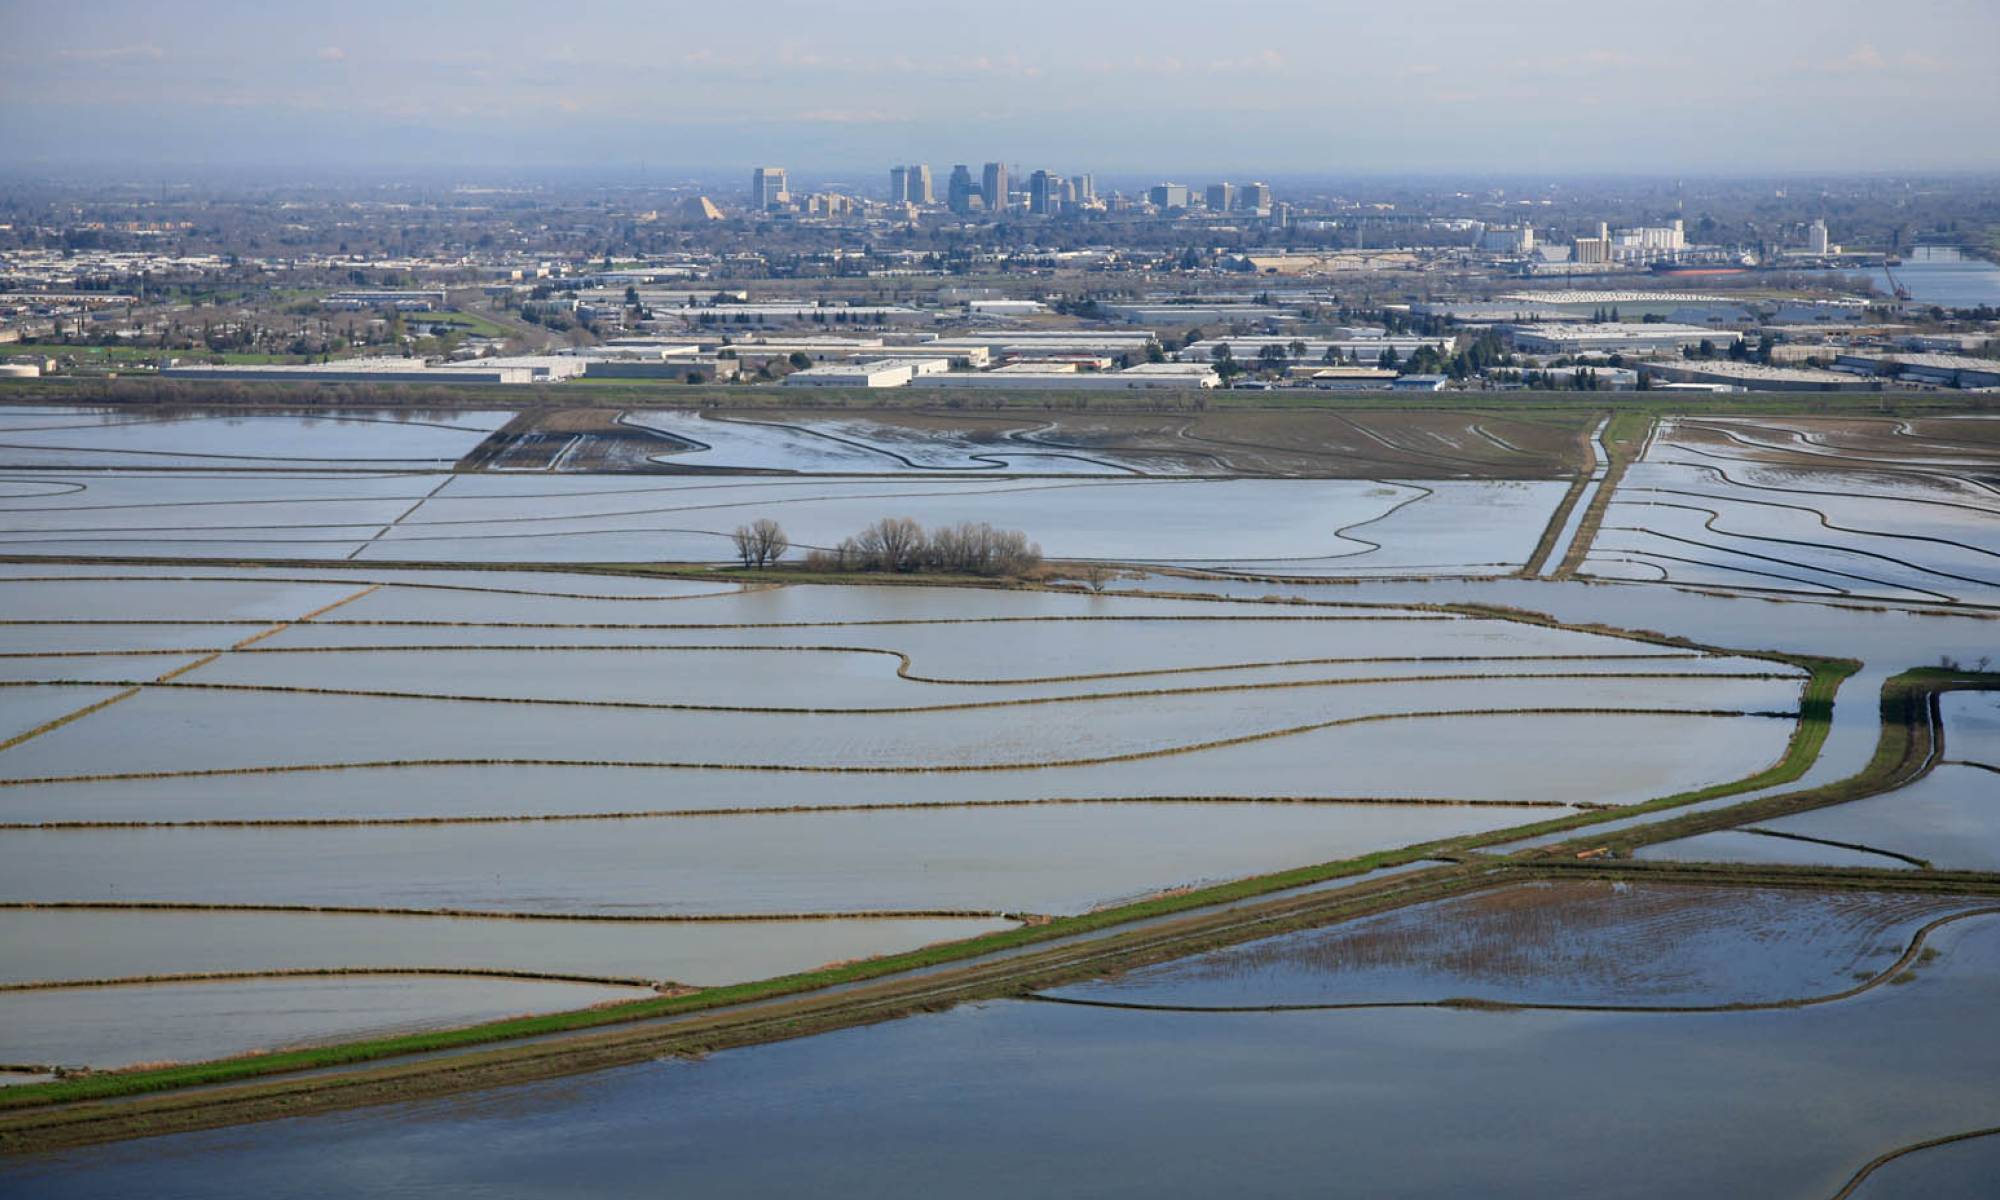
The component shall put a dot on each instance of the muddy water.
(1013, 1098)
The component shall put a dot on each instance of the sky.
(1274, 87)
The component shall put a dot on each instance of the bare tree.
(760, 543)
(1097, 576)
(892, 544)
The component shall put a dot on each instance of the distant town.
(996, 277)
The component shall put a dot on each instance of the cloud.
(332, 54)
(143, 52)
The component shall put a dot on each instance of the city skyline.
(1543, 87)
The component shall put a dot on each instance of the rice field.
(1947, 818)
(1309, 526)
(458, 794)
(1643, 945)
(150, 437)
(1901, 510)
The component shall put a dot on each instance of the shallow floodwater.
(1063, 858)
(84, 437)
(1785, 1103)
(1454, 526)
(45, 944)
(1591, 943)
(1530, 759)
(191, 1022)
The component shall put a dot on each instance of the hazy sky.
(1274, 86)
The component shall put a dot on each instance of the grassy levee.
(110, 1084)
(1910, 743)
(1623, 439)
(1802, 748)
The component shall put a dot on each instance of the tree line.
(900, 545)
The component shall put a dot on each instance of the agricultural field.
(1881, 508)
(145, 438)
(1398, 1099)
(1944, 818)
(1329, 443)
(1405, 761)
(334, 754)
(1294, 526)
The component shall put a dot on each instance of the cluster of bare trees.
(760, 543)
(900, 544)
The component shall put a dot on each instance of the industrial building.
(1757, 377)
(1067, 378)
(1351, 379)
(1940, 370)
(1613, 337)
(874, 374)
(403, 301)
(358, 370)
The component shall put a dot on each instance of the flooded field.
(1119, 1103)
(1948, 818)
(1312, 525)
(1891, 509)
(149, 437)
(1359, 445)
(1584, 943)
(76, 944)
(107, 1027)
(578, 745)
(1058, 859)
(456, 795)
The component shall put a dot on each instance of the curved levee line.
(904, 663)
(195, 906)
(1666, 576)
(53, 985)
(1875, 1164)
(1859, 848)
(1714, 516)
(1941, 597)
(168, 682)
(1824, 521)
(808, 809)
(1726, 478)
(720, 588)
(1902, 963)
(1883, 468)
(934, 769)
(987, 462)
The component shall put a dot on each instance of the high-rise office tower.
(1045, 193)
(1169, 196)
(899, 184)
(1255, 197)
(993, 186)
(1221, 197)
(1083, 189)
(768, 188)
(959, 192)
(920, 184)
